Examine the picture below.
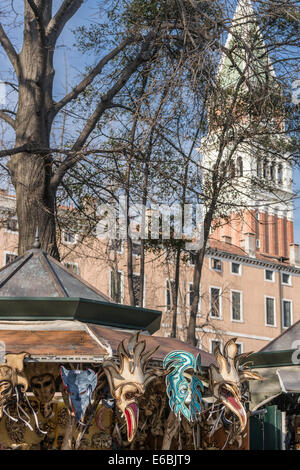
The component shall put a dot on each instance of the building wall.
(93, 260)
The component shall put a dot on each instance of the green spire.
(249, 58)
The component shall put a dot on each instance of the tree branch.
(38, 18)
(6, 118)
(62, 16)
(10, 51)
(46, 151)
(87, 80)
(103, 105)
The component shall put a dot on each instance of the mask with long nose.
(226, 380)
(128, 381)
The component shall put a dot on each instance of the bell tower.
(252, 162)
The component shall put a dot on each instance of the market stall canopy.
(289, 380)
(279, 364)
(73, 341)
(35, 286)
(286, 341)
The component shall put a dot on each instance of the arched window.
(272, 172)
(258, 168)
(265, 169)
(279, 174)
(239, 164)
(231, 169)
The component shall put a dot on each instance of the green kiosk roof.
(35, 286)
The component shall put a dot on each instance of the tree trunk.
(175, 306)
(191, 333)
(35, 203)
(142, 274)
(30, 172)
(130, 272)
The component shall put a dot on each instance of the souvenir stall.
(275, 407)
(80, 372)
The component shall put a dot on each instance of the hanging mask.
(11, 376)
(129, 380)
(183, 386)
(226, 380)
(80, 385)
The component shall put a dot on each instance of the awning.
(289, 380)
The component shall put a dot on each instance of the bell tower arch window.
(240, 169)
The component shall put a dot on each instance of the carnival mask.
(80, 385)
(183, 386)
(11, 376)
(43, 387)
(128, 381)
(226, 380)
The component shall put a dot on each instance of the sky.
(68, 54)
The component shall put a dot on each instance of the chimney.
(226, 239)
(249, 244)
(294, 254)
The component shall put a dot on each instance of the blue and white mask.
(80, 385)
(183, 386)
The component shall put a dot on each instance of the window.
(73, 267)
(236, 305)
(235, 268)
(240, 348)
(269, 275)
(258, 169)
(286, 279)
(240, 166)
(116, 245)
(258, 243)
(9, 257)
(136, 249)
(192, 258)
(116, 287)
(169, 301)
(215, 302)
(270, 311)
(231, 169)
(69, 237)
(287, 313)
(136, 288)
(12, 225)
(213, 344)
(265, 169)
(216, 264)
(279, 174)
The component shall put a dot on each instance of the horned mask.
(226, 380)
(80, 385)
(128, 381)
(11, 375)
(183, 386)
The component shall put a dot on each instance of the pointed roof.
(247, 47)
(36, 287)
(36, 274)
